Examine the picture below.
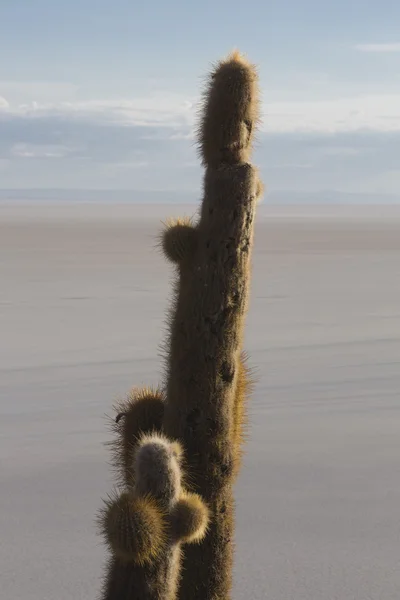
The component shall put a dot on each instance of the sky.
(103, 95)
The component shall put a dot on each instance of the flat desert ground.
(83, 297)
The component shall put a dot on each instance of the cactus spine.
(206, 372)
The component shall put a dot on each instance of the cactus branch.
(145, 526)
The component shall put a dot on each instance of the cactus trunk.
(158, 581)
(205, 370)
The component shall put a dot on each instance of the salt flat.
(82, 304)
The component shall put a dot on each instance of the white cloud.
(23, 150)
(3, 103)
(379, 48)
(379, 113)
(157, 110)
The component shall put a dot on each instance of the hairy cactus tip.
(142, 412)
(230, 112)
(134, 528)
(190, 519)
(157, 468)
(178, 239)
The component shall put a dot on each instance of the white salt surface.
(82, 303)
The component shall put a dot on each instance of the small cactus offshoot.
(142, 412)
(145, 526)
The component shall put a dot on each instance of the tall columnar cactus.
(206, 373)
(207, 380)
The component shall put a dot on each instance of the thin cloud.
(379, 48)
(173, 116)
(22, 150)
(379, 113)
(154, 111)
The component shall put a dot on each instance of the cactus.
(145, 526)
(177, 506)
(206, 375)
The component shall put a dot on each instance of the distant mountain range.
(289, 197)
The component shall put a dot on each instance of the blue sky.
(101, 94)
